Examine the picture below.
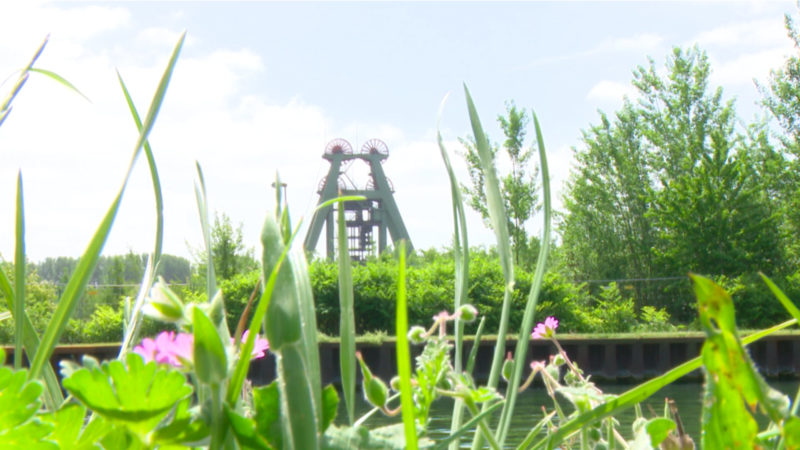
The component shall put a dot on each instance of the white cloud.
(743, 69)
(644, 42)
(758, 32)
(608, 91)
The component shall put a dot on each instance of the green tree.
(518, 185)
(230, 255)
(666, 187)
(781, 99)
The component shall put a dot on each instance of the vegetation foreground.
(188, 388)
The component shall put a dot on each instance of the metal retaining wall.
(622, 360)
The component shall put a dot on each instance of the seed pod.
(376, 392)
(468, 313)
(417, 335)
(508, 367)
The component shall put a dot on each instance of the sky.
(262, 87)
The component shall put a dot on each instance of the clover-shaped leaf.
(69, 431)
(132, 392)
(19, 401)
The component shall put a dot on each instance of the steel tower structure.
(362, 218)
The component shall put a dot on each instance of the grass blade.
(788, 304)
(497, 216)
(521, 350)
(5, 107)
(454, 436)
(461, 260)
(641, 392)
(347, 327)
(403, 352)
(19, 274)
(202, 209)
(59, 79)
(132, 326)
(473, 353)
(86, 265)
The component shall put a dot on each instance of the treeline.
(114, 270)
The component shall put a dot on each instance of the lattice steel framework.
(362, 218)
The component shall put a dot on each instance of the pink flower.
(261, 345)
(546, 329)
(167, 348)
(177, 350)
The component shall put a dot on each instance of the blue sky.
(262, 87)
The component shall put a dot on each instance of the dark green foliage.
(430, 290)
(667, 186)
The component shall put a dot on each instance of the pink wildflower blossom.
(546, 329)
(259, 347)
(167, 348)
(177, 350)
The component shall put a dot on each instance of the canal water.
(688, 398)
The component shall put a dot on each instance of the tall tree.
(230, 255)
(666, 188)
(518, 185)
(781, 98)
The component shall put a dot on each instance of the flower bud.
(468, 313)
(376, 392)
(508, 367)
(594, 434)
(417, 335)
(638, 424)
(394, 383)
(559, 360)
(163, 304)
(552, 370)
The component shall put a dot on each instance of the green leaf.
(210, 362)
(131, 392)
(403, 352)
(330, 404)
(791, 433)
(347, 328)
(266, 401)
(186, 427)
(242, 366)
(292, 327)
(20, 279)
(658, 429)
(244, 429)
(733, 387)
(19, 401)
(69, 431)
